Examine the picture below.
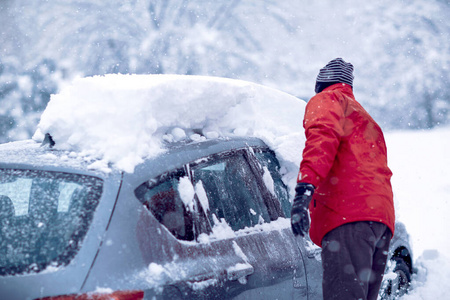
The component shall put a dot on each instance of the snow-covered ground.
(420, 161)
(121, 118)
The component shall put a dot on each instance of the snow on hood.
(122, 119)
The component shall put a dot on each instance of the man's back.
(346, 156)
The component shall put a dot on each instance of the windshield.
(44, 216)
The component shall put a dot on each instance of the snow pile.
(221, 230)
(432, 279)
(156, 275)
(121, 119)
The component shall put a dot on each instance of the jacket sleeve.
(323, 123)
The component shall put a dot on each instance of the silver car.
(206, 220)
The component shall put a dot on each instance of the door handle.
(239, 272)
(204, 277)
(203, 281)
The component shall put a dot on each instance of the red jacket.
(345, 158)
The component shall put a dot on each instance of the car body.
(204, 219)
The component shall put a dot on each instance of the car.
(207, 218)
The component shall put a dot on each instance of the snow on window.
(261, 220)
(186, 192)
(202, 197)
(19, 193)
(268, 181)
(221, 230)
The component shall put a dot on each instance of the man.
(344, 180)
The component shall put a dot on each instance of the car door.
(269, 167)
(244, 214)
(193, 264)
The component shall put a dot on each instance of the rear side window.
(165, 199)
(44, 216)
(232, 192)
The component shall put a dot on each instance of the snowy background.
(400, 49)
(421, 182)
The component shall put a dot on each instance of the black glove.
(299, 212)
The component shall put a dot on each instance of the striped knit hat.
(335, 71)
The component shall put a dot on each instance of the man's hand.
(299, 212)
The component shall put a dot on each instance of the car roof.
(179, 155)
(33, 155)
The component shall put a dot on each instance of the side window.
(231, 191)
(164, 199)
(272, 178)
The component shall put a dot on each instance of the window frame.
(285, 211)
(200, 221)
(271, 203)
(195, 217)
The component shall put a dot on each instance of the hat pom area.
(337, 70)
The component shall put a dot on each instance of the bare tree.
(401, 53)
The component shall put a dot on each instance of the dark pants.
(354, 258)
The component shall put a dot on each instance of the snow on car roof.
(123, 119)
